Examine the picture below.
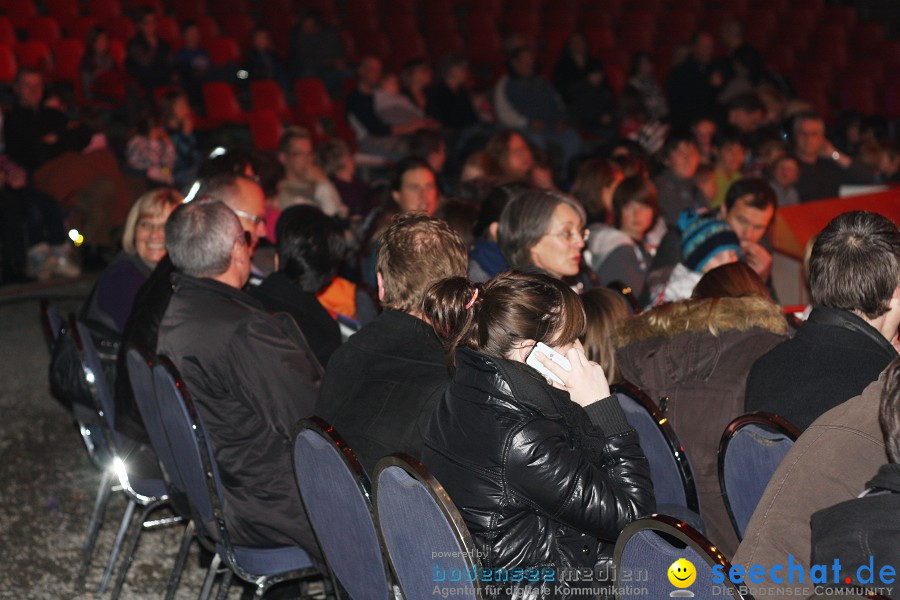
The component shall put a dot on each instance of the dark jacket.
(540, 482)
(863, 528)
(278, 294)
(833, 356)
(381, 387)
(671, 352)
(251, 383)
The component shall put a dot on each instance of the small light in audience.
(217, 151)
(192, 192)
(76, 237)
(242, 74)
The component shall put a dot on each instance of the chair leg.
(117, 545)
(225, 585)
(132, 547)
(100, 503)
(210, 577)
(180, 560)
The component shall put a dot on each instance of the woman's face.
(418, 192)
(519, 160)
(559, 250)
(101, 44)
(636, 220)
(150, 237)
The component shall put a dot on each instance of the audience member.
(34, 134)
(692, 85)
(749, 208)
(704, 131)
(511, 159)
(617, 253)
(101, 78)
(245, 371)
(317, 50)
(728, 166)
(262, 62)
(823, 170)
(485, 259)
(642, 78)
(706, 243)
(304, 182)
(179, 122)
(595, 182)
(429, 146)
(449, 101)
(337, 161)
(861, 530)
(783, 180)
(677, 191)
(705, 180)
(604, 310)
(415, 82)
(543, 232)
(148, 58)
(309, 250)
(854, 279)
(542, 473)
(143, 246)
(150, 152)
(382, 385)
(374, 135)
(192, 62)
(524, 100)
(697, 353)
(394, 107)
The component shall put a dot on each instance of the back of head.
(222, 187)
(525, 220)
(592, 178)
(889, 413)
(496, 201)
(603, 309)
(855, 263)
(734, 280)
(415, 251)
(703, 237)
(310, 246)
(200, 237)
(497, 316)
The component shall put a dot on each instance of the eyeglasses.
(571, 235)
(252, 218)
(151, 227)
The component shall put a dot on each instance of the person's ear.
(492, 230)
(276, 261)
(724, 211)
(380, 281)
(521, 352)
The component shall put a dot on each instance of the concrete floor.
(48, 484)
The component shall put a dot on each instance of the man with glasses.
(245, 370)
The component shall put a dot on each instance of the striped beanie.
(702, 237)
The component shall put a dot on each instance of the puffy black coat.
(540, 482)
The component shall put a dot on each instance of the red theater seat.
(8, 64)
(223, 51)
(239, 26)
(64, 10)
(103, 9)
(45, 29)
(68, 54)
(313, 100)
(35, 54)
(267, 94)
(20, 12)
(265, 129)
(120, 28)
(221, 104)
(7, 31)
(79, 27)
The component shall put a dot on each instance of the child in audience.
(728, 169)
(151, 152)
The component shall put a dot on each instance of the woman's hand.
(586, 382)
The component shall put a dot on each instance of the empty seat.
(103, 9)
(312, 98)
(265, 129)
(35, 54)
(68, 54)
(239, 26)
(21, 12)
(267, 94)
(120, 28)
(62, 9)
(79, 27)
(221, 104)
(8, 64)
(45, 29)
(168, 31)
(223, 51)
(7, 31)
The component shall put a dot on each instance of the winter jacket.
(541, 482)
(697, 354)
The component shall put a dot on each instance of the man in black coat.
(381, 387)
(245, 371)
(854, 277)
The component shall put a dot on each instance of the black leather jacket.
(540, 482)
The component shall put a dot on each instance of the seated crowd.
(401, 302)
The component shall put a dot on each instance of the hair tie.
(471, 302)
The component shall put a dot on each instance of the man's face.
(298, 159)
(249, 204)
(749, 223)
(733, 157)
(684, 160)
(370, 71)
(810, 137)
(703, 48)
(30, 90)
(743, 120)
(148, 25)
(418, 192)
(523, 64)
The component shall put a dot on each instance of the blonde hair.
(150, 204)
(603, 309)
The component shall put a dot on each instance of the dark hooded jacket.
(541, 482)
(697, 354)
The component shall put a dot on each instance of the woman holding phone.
(545, 474)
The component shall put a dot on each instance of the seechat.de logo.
(682, 574)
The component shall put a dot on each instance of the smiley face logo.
(682, 573)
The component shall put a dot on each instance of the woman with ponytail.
(546, 475)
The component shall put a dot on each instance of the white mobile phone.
(553, 355)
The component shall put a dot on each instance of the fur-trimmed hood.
(713, 315)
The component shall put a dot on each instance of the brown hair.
(734, 280)
(889, 411)
(593, 177)
(634, 189)
(525, 220)
(603, 309)
(855, 263)
(414, 252)
(496, 316)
